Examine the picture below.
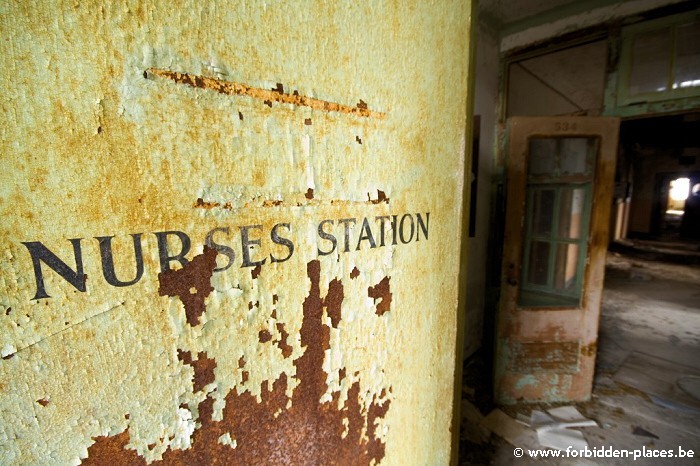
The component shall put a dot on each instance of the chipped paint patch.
(191, 284)
(381, 293)
(525, 381)
(532, 356)
(203, 368)
(381, 197)
(268, 430)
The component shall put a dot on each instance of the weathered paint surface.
(230, 231)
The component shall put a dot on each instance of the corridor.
(647, 372)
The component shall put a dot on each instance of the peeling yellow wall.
(247, 123)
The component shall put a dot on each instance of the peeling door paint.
(230, 232)
(546, 348)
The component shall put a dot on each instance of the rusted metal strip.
(266, 95)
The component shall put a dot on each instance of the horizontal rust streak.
(266, 95)
(534, 356)
(309, 201)
(202, 204)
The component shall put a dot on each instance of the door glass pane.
(559, 182)
(650, 62)
(543, 211)
(687, 65)
(574, 155)
(566, 268)
(539, 263)
(571, 203)
(542, 159)
(553, 157)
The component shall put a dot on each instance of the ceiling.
(505, 12)
(510, 15)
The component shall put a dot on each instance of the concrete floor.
(649, 340)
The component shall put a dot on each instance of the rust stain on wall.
(272, 203)
(381, 291)
(266, 95)
(202, 204)
(264, 336)
(381, 197)
(241, 365)
(192, 284)
(267, 432)
(282, 343)
(334, 300)
(203, 368)
(112, 450)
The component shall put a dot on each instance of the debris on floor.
(690, 384)
(551, 429)
(646, 391)
(514, 432)
(472, 430)
(667, 383)
(555, 428)
(643, 433)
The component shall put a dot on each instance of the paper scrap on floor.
(554, 428)
(512, 431)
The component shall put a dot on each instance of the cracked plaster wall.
(289, 114)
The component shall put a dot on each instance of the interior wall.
(485, 105)
(231, 231)
(567, 82)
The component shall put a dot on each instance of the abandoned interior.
(639, 62)
(326, 271)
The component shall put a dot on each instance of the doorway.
(676, 217)
(659, 162)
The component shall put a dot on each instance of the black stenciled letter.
(220, 248)
(246, 243)
(401, 230)
(326, 236)
(163, 252)
(276, 238)
(108, 260)
(41, 253)
(346, 222)
(382, 219)
(366, 235)
(423, 226)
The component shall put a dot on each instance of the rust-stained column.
(230, 231)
